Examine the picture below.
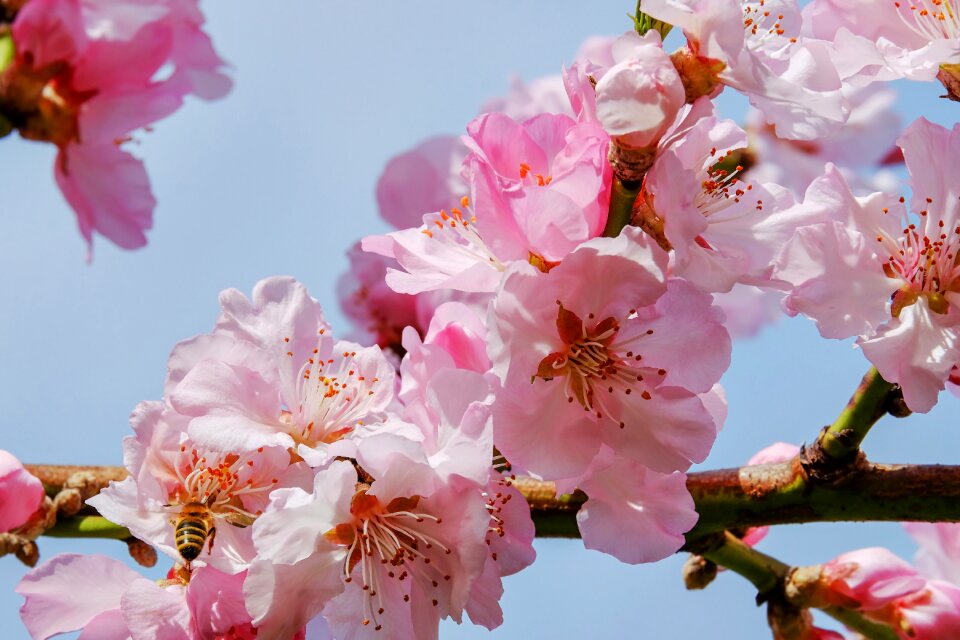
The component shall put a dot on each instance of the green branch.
(622, 198)
(88, 527)
(870, 402)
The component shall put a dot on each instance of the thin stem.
(763, 571)
(622, 198)
(767, 574)
(856, 622)
(869, 403)
(88, 527)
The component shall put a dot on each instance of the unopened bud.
(68, 502)
(85, 482)
(698, 572)
(700, 75)
(949, 77)
(141, 552)
(28, 553)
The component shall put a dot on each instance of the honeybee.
(192, 528)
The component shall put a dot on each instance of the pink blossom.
(939, 554)
(20, 493)
(401, 551)
(859, 149)
(79, 96)
(723, 230)
(888, 40)
(378, 312)
(526, 100)
(903, 305)
(635, 514)
(639, 97)
(168, 471)
(271, 374)
(748, 309)
(116, 602)
(791, 79)
(621, 365)
(538, 189)
(870, 579)
(423, 179)
(887, 589)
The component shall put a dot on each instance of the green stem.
(7, 49)
(622, 198)
(763, 571)
(868, 404)
(767, 574)
(88, 527)
(856, 622)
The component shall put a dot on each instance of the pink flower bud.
(638, 98)
(20, 493)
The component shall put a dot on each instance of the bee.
(193, 527)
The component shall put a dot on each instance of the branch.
(622, 197)
(768, 575)
(839, 443)
(733, 498)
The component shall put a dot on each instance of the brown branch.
(733, 498)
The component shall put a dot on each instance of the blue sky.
(278, 179)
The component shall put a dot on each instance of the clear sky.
(278, 179)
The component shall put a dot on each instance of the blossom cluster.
(519, 321)
(86, 76)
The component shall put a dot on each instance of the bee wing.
(240, 519)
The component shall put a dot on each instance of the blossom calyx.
(700, 75)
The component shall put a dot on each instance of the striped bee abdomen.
(191, 530)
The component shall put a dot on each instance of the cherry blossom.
(271, 374)
(20, 492)
(757, 49)
(168, 471)
(67, 88)
(583, 366)
(538, 188)
(117, 602)
(888, 39)
(889, 278)
(939, 554)
(722, 229)
(862, 149)
(639, 97)
(635, 514)
(888, 590)
(391, 552)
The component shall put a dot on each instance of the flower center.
(334, 397)
(219, 481)
(931, 19)
(389, 542)
(458, 232)
(594, 361)
(927, 259)
(534, 178)
(721, 187)
(762, 24)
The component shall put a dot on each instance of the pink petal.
(20, 493)
(635, 514)
(55, 605)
